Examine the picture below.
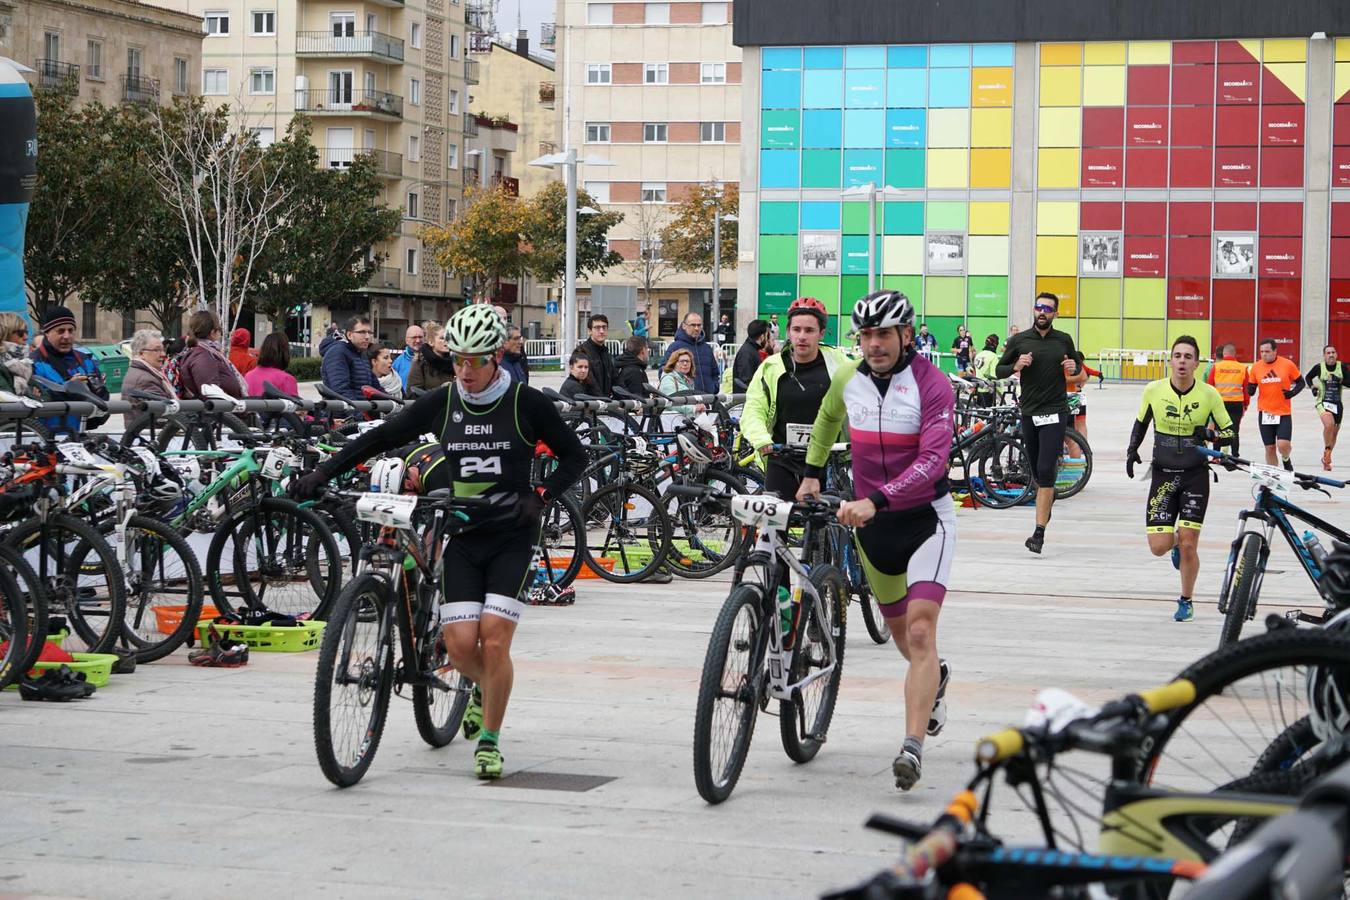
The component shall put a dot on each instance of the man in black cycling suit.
(1042, 357)
(488, 425)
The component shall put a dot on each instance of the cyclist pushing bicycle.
(899, 410)
(488, 426)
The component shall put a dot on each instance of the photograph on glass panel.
(1234, 255)
(819, 253)
(1099, 253)
(946, 253)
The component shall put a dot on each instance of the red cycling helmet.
(809, 305)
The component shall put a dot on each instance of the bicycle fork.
(1231, 571)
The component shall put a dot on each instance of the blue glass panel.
(906, 87)
(781, 57)
(907, 57)
(948, 87)
(822, 128)
(779, 168)
(865, 57)
(820, 217)
(863, 167)
(824, 57)
(781, 90)
(864, 128)
(949, 56)
(993, 55)
(865, 88)
(823, 88)
(906, 127)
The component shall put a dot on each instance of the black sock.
(1039, 532)
(1187, 599)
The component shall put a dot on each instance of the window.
(451, 209)
(599, 191)
(89, 320)
(217, 23)
(266, 135)
(262, 81)
(712, 132)
(51, 45)
(263, 23)
(414, 148)
(654, 132)
(215, 82)
(133, 62)
(714, 14)
(656, 73)
(658, 13)
(597, 132)
(600, 14)
(180, 75)
(650, 250)
(713, 73)
(342, 24)
(412, 211)
(597, 73)
(415, 35)
(93, 60)
(415, 91)
(653, 192)
(454, 103)
(412, 261)
(452, 156)
(454, 46)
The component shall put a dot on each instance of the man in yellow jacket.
(1229, 378)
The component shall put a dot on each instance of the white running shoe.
(907, 768)
(938, 718)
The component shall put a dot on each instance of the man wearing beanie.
(56, 359)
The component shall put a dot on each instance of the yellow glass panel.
(1061, 54)
(1150, 53)
(1342, 81)
(1286, 50)
(993, 127)
(1104, 53)
(1061, 86)
(1196, 328)
(1056, 255)
(1342, 49)
(991, 167)
(902, 254)
(1061, 126)
(1057, 168)
(949, 127)
(948, 168)
(991, 86)
(1103, 85)
(1294, 76)
(1066, 289)
(989, 216)
(1057, 217)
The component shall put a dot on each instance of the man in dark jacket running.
(600, 381)
(630, 369)
(690, 337)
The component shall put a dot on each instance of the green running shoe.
(473, 715)
(487, 762)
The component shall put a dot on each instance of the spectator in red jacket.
(242, 355)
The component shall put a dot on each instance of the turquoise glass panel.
(822, 128)
(864, 127)
(824, 57)
(906, 128)
(863, 167)
(907, 87)
(823, 89)
(779, 168)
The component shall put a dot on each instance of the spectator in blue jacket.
(412, 342)
(345, 368)
(57, 360)
(514, 361)
(690, 337)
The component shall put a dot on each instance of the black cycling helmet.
(883, 309)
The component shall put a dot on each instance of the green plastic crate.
(267, 638)
(97, 667)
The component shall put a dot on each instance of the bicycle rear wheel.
(627, 532)
(1003, 473)
(13, 627)
(438, 708)
(1075, 465)
(729, 693)
(161, 570)
(805, 720)
(353, 679)
(562, 539)
(275, 556)
(707, 539)
(35, 602)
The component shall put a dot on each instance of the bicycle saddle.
(272, 392)
(328, 393)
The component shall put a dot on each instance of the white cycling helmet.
(475, 329)
(883, 309)
(386, 475)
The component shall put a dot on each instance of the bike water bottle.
(1315, 550)
(973, 430)
(785, 614)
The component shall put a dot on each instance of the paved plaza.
(176, 781)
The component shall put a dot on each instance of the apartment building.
(521, 86)
(379, 77)
(655, 89)
(109, 51)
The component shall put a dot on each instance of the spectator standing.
(381, 359)
(578, 376)
(204, 361)
(345, 367)
(146, 371)
(640, 324)
(412, 342)
(752, 352)
(274, 363)
(961, 347)
(242, 356)
(690, 337)
(925, 343)
(600, 381)
(987, 359)
(514, 361)
(724, 333)
(630, 369)
(434, 365)
(16, 369)
(677, 376)
(56, 359)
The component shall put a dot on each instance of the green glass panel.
(1145, 334)
(1099, 298)
(947, 216)
(943, 328)
(945, 296)
(904, 168)
(850, 289)
(777, 218)
(1196, 328)
(776, 292)
(988, 295)
(821, 168)
(910, 285)
(778, 253)
(824, 288)
(780, 129)
(902, 218)
(983, 326)
(855, 218)
(831, 338)
(1096, 335)
(1145, 298)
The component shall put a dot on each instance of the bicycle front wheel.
(1075, 465)
(80, 575)
(707, 539)
(438, 708)
(1003, 474)
(805, 720)
(161, 570)
(34, 599)
(13, 627)
(1243, 588)
(275, 556)
(627, 532)
(729, 693)
(353, 679)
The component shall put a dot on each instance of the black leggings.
(1235, 411)
(1044, 443)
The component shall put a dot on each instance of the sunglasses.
(472, 362)
(1043, 307)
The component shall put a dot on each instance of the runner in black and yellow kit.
(1327, 379)
(1180, 409)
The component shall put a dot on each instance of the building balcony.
(470, 71)
(480, 42)
(512, 185)
(372, 44)
(548, 35)
(470, 125)
(321, 102)
(52, 74)
(385, 278)
(547, 92)
(387, 164)
(470, 177)
(391, 4)
(138, 89)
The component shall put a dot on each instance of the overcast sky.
(532, 13)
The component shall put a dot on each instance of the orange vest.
(1230, 379)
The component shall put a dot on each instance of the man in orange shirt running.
(1274, 380)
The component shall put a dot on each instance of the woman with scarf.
(204, 361)
(16, 369)
(146, 370)
(433, 366)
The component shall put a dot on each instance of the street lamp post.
(718, 219)
(568, 313)
(870, 191)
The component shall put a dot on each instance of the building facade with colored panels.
(1160, 186)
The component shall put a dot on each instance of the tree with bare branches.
(649, 267)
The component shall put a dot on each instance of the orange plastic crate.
(168, 618)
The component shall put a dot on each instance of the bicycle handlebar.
(1303, 479)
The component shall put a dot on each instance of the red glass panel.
(1235, 167)
(1147, 85)
(1281, 219)
(1235, 299)
(1339, 334)
(1189, 256)
(1340, 220)
(1145, 167)
(1103, 168)
(1190, 218)
(1282, 126)
(1237, 333)
(1273, 90)
(1145, 256)
(1284, 334)
(1103, 126)
(1193, 126)
(1234, 52)
(1237, 126)
(1192, 52)
(1235, 216)
(1145, 217)
(1188, 298)
(1281, 167)
(1238, 83)
(1338, 303)
(1192, 167)
(1340, 257)
(1098, 216)
(1280, 257)
(1193, 84)
(1340, 166)
(1146, 126)
(1279, 299)
(1340, 124)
